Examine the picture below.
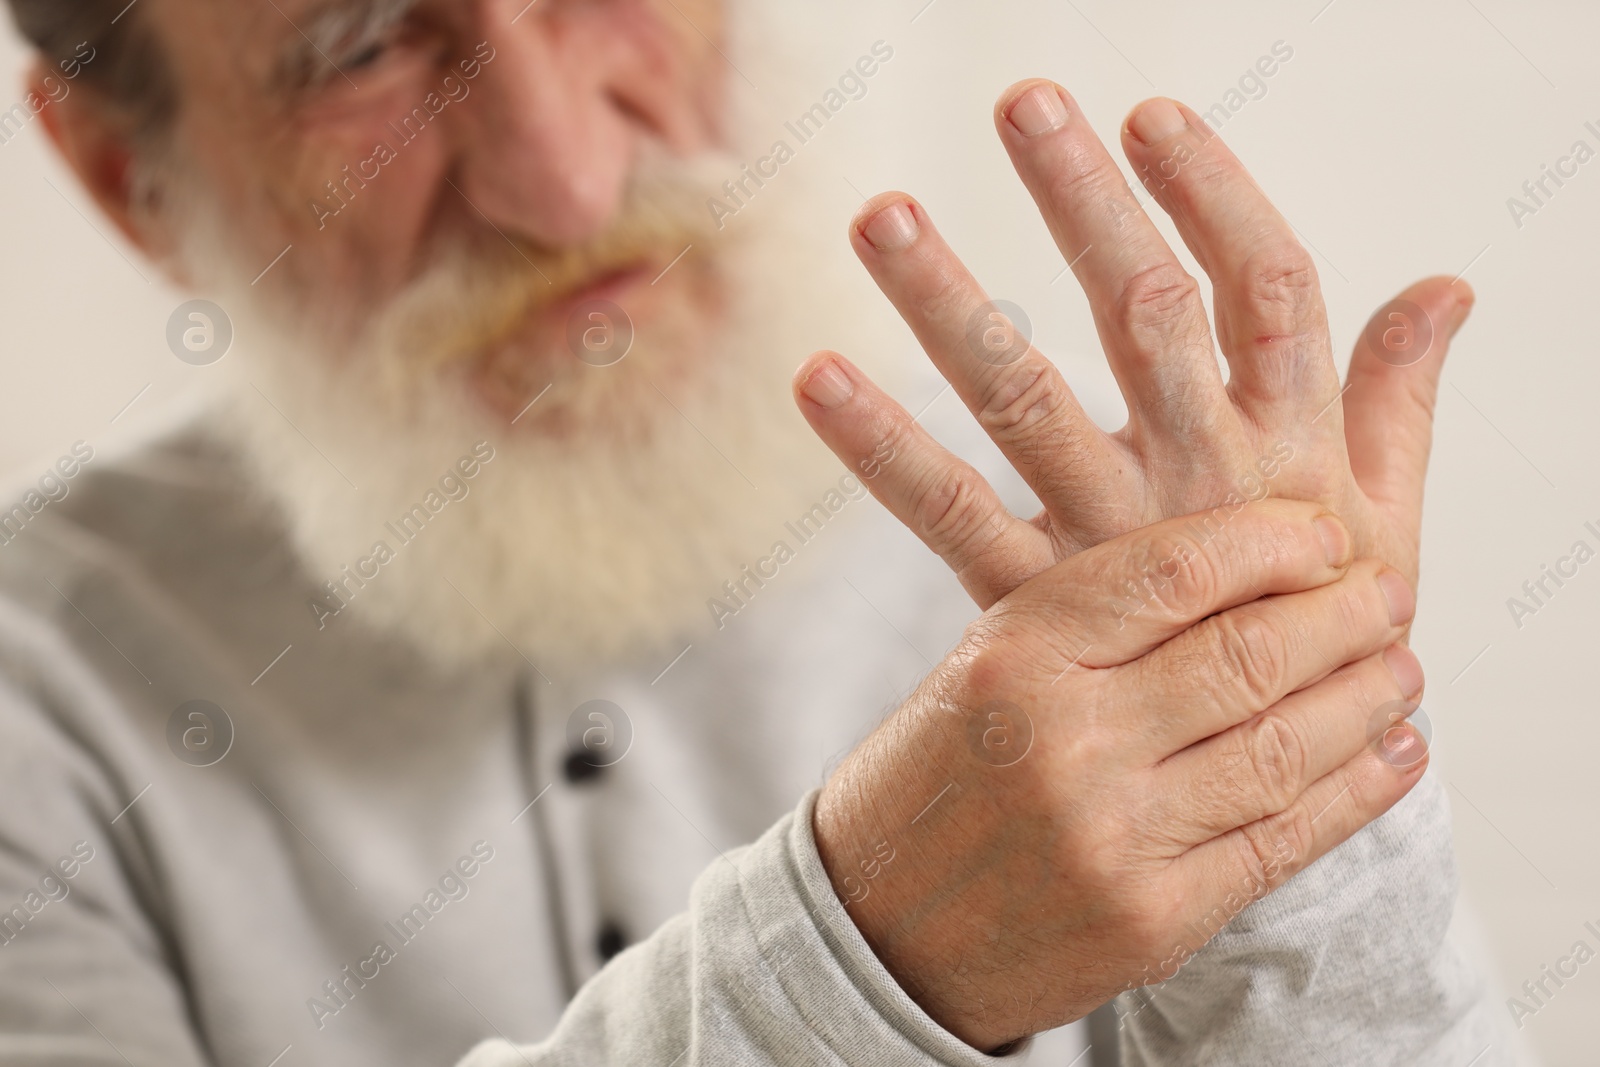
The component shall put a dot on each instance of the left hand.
(1280, 424)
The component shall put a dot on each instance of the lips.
(674, 306)
(540, 328)
(626, 286)
(614, 285)
(534, 346)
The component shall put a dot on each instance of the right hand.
(1117, 758)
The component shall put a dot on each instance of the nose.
(555, 121)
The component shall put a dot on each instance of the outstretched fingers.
(1016, 393)
(942, 499)
(1271, 323)
(1147, 309)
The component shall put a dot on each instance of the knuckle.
(1365, 612)
(1252, 655)
(1278, 759)
(1191, 671)
(1280, 283)
(1368, 685)
(1356, 621)
(1212, 170)
(1274, 848)
(983, 661)
(1084, 181)
(952, 515)
(1351, 614)
(1180, 581)
(1022, 404)
(999, 652)
(1099, 745)
(940, 298)
(899, 438)
(1093, 857)
(1131, 897)
(1269, 538)
(1159, 301)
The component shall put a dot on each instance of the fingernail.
(1402, 746)
(892, 228)
(1156, 121)
(1458, 315)
(1039, 110)
(1406, 668)
(828, 386)
(1397, 591)
(1335, 540)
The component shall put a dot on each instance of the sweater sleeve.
(765, 968)
(1349, 962)
(86, 979)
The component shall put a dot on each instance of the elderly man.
(430, 691)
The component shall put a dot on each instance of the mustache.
(479, 288)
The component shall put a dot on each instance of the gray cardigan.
(362, 862)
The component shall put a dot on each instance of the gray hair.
(128, 69)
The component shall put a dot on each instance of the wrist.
(905, 854)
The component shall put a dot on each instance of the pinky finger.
(942, 499)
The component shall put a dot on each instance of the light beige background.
(1391, 140)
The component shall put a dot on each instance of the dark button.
(580, 767)
(610, 941)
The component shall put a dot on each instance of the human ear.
(96, 140)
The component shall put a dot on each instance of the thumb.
(1391, 390)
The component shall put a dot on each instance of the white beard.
(576, 550)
